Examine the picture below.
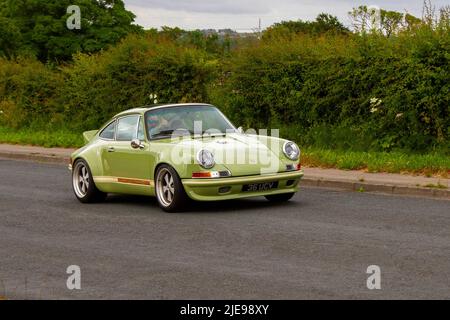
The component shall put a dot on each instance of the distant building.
(227, 33)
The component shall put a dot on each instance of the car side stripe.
(134, 181)
(139, 182)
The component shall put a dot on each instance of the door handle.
(111, 149)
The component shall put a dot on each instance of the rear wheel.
(83, 184)
(280, 197)
(169, 190)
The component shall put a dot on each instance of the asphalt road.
(316, 247)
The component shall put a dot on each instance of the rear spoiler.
(89, 135)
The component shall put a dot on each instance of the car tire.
(285, 197)
(83, 184)
(169, 190)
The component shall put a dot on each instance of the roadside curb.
(347, 185)
(377, 188)
(38, 157)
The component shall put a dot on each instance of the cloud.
(243, 15)
(206, 6)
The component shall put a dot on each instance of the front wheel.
(169, 190)
(280, 197)
(83, 184)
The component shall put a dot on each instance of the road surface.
(318, 246)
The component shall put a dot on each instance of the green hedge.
(84, 94)
(99, 86)
(28, 93)
(357, 92)
(329, 91)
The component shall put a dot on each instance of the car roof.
(142, 110)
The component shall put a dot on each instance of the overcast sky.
(243, 15)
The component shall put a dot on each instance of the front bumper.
(209, 189)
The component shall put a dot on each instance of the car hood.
(239, 153)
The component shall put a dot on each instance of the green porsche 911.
(182, 152)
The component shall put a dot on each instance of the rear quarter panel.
(91, 153)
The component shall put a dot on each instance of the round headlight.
(291, 150)
(206, 159)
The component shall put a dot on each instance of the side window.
(109, 131)
(141, 131)
(127, 128)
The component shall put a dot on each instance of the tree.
(361, 18)
(367, 19)
(444, 18)
(327, 23)
(391, 22)
(411, 22)
(172, 33)
(324, 23)
(11, 39)
(42, 24)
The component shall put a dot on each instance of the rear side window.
(109, 132)
(127, 128)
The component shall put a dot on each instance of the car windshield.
(184, 120)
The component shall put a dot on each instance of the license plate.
(256, 187)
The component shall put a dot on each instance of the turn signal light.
(211, 174)
(299, 167)
(201, 175)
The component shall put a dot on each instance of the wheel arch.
(159, 165)
(90, 161)
(79, 158)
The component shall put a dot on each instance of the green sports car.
(182, 152)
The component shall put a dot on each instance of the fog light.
(224, 190)
(291, 167)
(290, 183)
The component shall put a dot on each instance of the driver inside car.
(156, 124)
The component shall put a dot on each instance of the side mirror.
(137, 144)
(240, 130)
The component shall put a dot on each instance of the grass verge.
(49, 139)
(390, 162)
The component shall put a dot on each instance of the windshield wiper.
(207, 135)
(215, 134)
(163, 133)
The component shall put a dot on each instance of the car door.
(130, 168)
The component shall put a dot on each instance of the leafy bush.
(101, 85)
(362, 92)
(28, 91)
(332, 90)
